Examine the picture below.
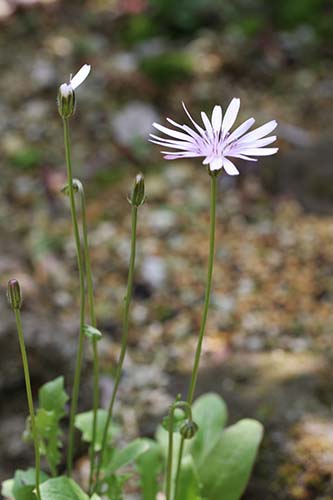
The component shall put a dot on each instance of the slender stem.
(30, 400)
(79, 356)
(90, 291)
(186, 408)
(123, 343)
(179, 463)
(195, 369)
(170, 455)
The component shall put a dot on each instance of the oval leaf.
(62, 488)
(227, 467)
(210, 414)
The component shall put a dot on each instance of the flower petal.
(259, 132)
(230, 115)
(244, 127)
(242, 157)
(259, 143)
(217, 119)
(187, 129)
(208, 125)
(184, 146)
(172, 133)
(80, 76)
(216, 164)
(260, 151)
(201, 130)
(229, 167)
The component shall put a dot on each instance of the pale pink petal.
(259, 132)
(259, 143)
(217, 119)
(172, 156)
(216, 164)
(201, 130)
(230, 115)
(172, 133)
(208, 125)
(188, 147)
(171, 141)
(244, 127)
(260, 151)
(242, 157)
(229, 167)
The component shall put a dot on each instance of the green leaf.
(25, 483)
(52, 397)
(47, 425)
(226, 469)
(95, 497)
(84, 422)
(92, 333)
(7, 488)
(52, 400)
(127, 455)
(149, 465)
(188, 482)
(210, 414)
(62, 488)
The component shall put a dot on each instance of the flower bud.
(14, 294)
(188, 429)
(66, 100)
(138, 195)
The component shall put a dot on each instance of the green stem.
(123, 343)
(195, 369)
(170, 455)
(30, 400)
(90, 291)
(79, 356)
(186, 408)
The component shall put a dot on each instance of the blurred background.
(268, 348)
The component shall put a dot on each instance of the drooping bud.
(14, 294)
(188, 429)
(66, 100)
(137, 197)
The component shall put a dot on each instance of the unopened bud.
(66, 100)
(137, 197)
(14, 294)
(188, 429)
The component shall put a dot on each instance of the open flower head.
(66, 94)
(215, 142)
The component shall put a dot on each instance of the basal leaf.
(62, 488)
(127, 455)
(84, 422)
(188, 482)
(25, 483)
(226, 469)
(149, 464)
(210, 414)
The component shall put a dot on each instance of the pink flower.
(214, 142)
